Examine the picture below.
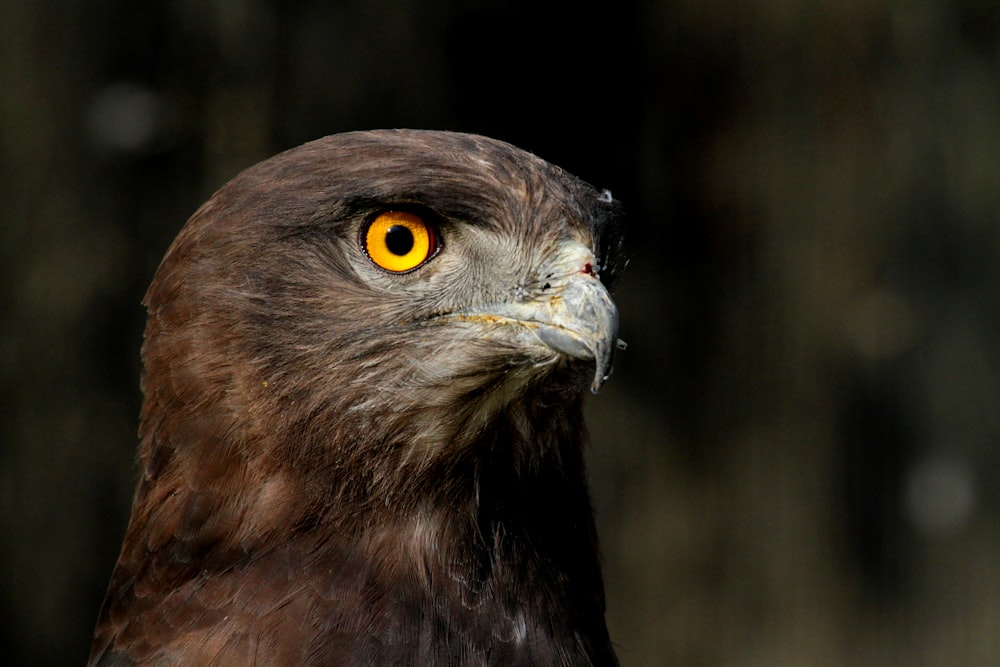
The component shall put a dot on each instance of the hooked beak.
(573, 315)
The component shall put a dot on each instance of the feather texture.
(336, 469)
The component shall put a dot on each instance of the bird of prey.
(361, 439)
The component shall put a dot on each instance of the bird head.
(382, 294)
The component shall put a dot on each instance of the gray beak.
(573, 315)
(582, 323)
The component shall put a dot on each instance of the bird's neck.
(505, 551)
(498, 547)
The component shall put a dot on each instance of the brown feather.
(331, 474)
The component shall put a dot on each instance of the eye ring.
(399, 241)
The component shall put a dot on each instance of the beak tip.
(602, 372)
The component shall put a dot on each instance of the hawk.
(361, 439)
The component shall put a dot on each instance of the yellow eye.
(399, 241)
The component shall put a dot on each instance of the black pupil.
(399, 240)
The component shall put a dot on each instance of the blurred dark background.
(797, 460)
